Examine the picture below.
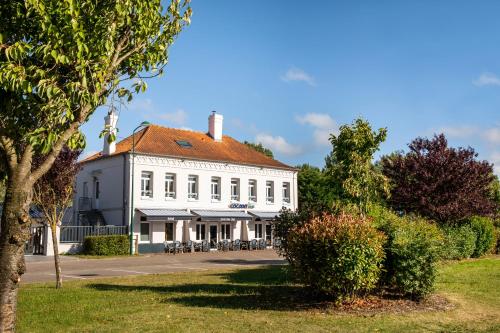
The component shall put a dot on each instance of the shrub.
(497, 246)
(337, 255)
(459, 242)
(109, 245)
(485, 235)
(412, 251)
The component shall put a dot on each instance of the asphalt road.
(41, 269)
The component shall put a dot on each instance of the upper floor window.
(215, 188)
(169, 185)
(286, 192)
(269, 191)
(235, 189)
(146, 184)
(97, 191)
(252, 190)
(85, 189)
(193, 187)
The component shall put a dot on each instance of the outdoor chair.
(188, 246)
(268, 242)
(225, 245)
(197, 246)
(244, 245)
(178, 247)
(169, 247)
(262, 244)
(253, 245)
(276, 243)
(236, 245)
(205, 246)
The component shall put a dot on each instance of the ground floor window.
(226, 231)
(144, 232)
(258, 230)
(200, 232)
(169, 231)
(269, 232)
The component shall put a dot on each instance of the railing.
(286, 200)
(170, 195)
(252, 198)
(215, 196)
(269, 199)
(235, 197)
(84, 203)
(76, 234)
(193, 196)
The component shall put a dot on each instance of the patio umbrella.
(244, 231)
(185, 232)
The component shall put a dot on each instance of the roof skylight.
(184, 143)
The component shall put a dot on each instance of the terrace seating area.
(223, 245)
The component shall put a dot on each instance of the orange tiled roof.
(161, 141)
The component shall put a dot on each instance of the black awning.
(160, 214)
(265, 216)
(221, 215)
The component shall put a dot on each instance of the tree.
(439, 182)
(349, 170)
(260, 148)
(313, 193)
(53, 194)
(59, 61)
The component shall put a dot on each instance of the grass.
(257, 299)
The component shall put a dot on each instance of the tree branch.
(10, 151)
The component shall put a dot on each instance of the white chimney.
(215, 126)
(110, 127)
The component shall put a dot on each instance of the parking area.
(41, 269)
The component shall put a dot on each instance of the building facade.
(186, 186)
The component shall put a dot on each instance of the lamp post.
(143, 124)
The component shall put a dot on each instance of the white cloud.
(495, 159)
(178, 117)
(324, 125)
(492, 135)
(278, 144)
(487, 79)
(297, 74)
(142, 105)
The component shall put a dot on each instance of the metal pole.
(131, 237)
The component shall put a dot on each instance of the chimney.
(110, 127)
(215, 126)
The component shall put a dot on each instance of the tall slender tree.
(59, 61)
(53, 194)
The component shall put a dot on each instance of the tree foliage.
(439, 182)
(260, 148)
(313, 192)
(59, 61)
(350, 172)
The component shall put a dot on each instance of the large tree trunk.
(14, 232)
(57, 261)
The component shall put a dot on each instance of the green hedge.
(459, 242)
(109, 245)
(485, 235)
(336, 255)
(412, 251)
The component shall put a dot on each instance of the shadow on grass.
(250, 289)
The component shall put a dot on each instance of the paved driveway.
(41, 268)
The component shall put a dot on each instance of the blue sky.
(288, 73)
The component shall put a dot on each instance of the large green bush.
(108, 245)
(412, 251)
(459, 242)
(337, 255)
(485, 235)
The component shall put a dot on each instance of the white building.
(187, 186)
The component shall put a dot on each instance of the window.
(286, 192)
(97, 192)
(144, 232)
(193, 187)
(226, 231)
(235, 189)
(269, 191)
(258, 230)
(184, 143)
(169, 231)
(200, 232)
(269, 233)
(215, 188)
(252, 190)
(85, 189)
(169, 185)
(146, 184)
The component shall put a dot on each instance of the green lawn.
(249, 300)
